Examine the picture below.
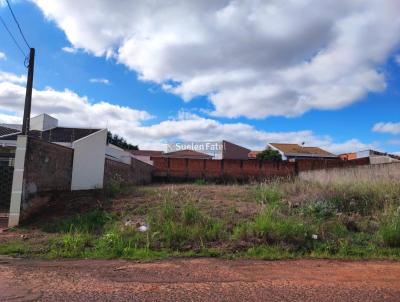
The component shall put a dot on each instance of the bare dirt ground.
(198, 280)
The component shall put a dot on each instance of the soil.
(198, 280)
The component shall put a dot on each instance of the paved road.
(198, 280)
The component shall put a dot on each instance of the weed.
(70, 245)
(200, 181)
(390, 229)
(267, 193)
(84, 223)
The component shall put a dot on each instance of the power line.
(12, 37)
(16, 21)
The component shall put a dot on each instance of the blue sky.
(154, 93)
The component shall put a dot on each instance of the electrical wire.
(16, 21)
(12, 37)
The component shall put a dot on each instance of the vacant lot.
(265, 221)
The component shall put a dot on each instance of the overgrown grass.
(296, 219)
(89, 222)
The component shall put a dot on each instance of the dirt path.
(198, 280)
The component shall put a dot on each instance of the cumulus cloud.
(392, 128)
(74, 110)
(11, 77)
(250, 58)
(3, 56)
(69, 49)
(100, 81)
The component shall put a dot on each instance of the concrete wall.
(137, 172)
(88, 164)
(375, 172)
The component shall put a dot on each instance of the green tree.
(119, 141)
(269, 154)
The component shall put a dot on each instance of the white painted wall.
(43, 122)
(18, 178)
(88, 164)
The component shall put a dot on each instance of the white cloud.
(10, 77)
(69, 49)
(392, 128)
(3, 56)
(100, 80)
(252, 58)
(74, 110)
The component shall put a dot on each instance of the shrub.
(269, 154)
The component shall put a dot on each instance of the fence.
(177, 169)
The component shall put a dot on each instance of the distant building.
(146, 155)
(295, 151)
(190, 154)
(233, 151)
(376, 157)
(253, 154)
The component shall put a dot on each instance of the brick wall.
(182, 169)
(48, 168)
(137, 172)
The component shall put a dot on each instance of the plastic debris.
(143, 228)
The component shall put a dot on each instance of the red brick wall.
(179, 169)
(137, 172)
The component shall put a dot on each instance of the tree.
(269, 154)
(119, 141)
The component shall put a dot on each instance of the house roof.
(187, 154)
(297, 150)
(7, 131)
(147, 152)
(58, 134)
(253, 154)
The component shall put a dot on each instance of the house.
(233, 151)
(189, 154)
(146, 155)
(376, 157)
(294, 151)
(89, 144)
(253, 154)
(217, 150)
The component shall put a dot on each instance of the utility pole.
(28, 94)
